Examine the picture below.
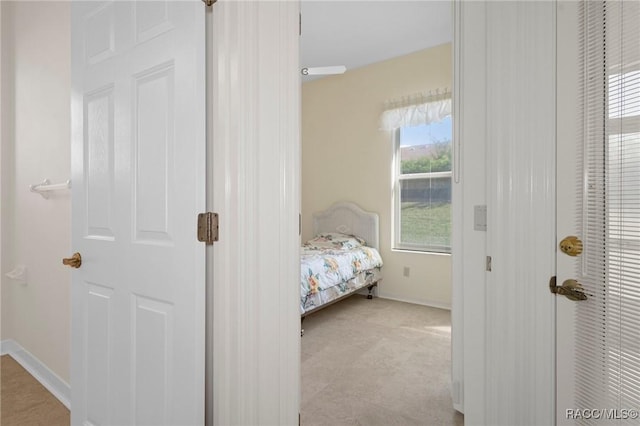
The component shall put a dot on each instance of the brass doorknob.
(572, 289)
(74, 261)
(571, 245)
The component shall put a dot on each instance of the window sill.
(433, 253)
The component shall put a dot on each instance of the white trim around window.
(397, 213)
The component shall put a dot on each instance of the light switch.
(480, 218)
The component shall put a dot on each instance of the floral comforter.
(333, 265)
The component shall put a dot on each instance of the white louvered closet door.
(599, 357)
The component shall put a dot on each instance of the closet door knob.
(74, 261)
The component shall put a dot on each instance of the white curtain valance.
(415, 115)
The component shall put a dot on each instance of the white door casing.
(469, 190)
(256, 179)
(567, 99)
(138, 172)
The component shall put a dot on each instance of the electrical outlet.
(407, 271)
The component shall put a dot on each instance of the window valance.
(415, 114)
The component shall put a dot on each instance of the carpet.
(377, 362)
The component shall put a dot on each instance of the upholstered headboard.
(348, 218)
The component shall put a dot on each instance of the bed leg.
(370, 295)
(301, 329)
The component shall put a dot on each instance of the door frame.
(255, 187)
(468, 249)
(234, 364)
(568, 131)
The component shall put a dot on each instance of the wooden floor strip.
(24, 401)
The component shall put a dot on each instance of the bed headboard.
(348, 218)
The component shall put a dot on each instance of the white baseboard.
(50, 380)
(430, 303)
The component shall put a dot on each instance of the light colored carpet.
(377, 362)
(24, 401)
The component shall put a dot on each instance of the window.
(422, 187)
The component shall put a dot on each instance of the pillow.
(335, 240)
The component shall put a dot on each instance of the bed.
(341, 259)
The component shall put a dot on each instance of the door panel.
(99, 305)
(138, 183)
(98, 162)
(153, 146)
(153, 346)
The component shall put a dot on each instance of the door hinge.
(208, 227)
(299, 24)
(209, 2)
(488, 264)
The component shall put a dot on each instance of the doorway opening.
(386, 357)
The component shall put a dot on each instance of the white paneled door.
(138, 174)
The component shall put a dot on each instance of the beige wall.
(346, 157)
(35, 145)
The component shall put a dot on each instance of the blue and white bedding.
(333, 265)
